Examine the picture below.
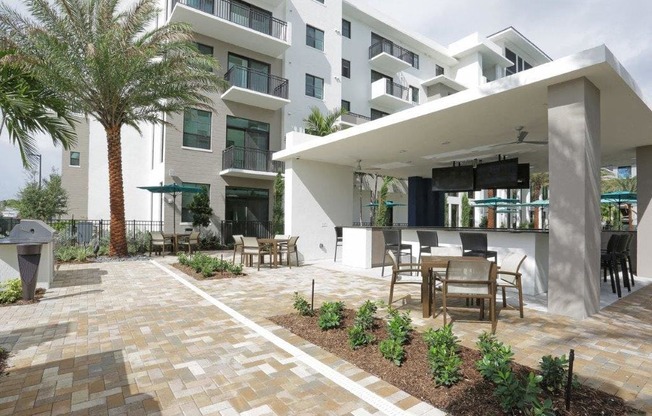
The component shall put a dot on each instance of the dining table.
(275, 244)
(175, 238)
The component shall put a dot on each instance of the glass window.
(414, 92)
(204, 49)
(375, 114)
(250, 141)
(314, 37)
(186, 198)
(248, 73)
(74, 158)
(346, 68)
(314, 86)
(346, 105)
(247, 204)
(512, 57)
(197, 128)
(624, 172)
(346, 28)
(439, 70)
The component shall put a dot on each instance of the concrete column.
(644, 194)
(574, 168)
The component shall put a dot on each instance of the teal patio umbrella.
(495, 202)
(617, 198)
(173, 189)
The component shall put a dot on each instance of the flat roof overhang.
(479, 123)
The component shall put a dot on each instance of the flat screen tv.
(452, 179)
(497, 175)
(523, 180)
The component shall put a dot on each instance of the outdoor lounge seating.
(192, 241)
(237, 246)
(289, 248)
(252, 247)
(427, 240)
(393, 243)
(470, 279)
(158, 243)
(509, 276)
(475, 245)
(399, 276)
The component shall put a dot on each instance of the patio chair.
(400, 278)
(607, 263)
(289, 248)
(627, 254)
(620, 259)
(338, 239)
(158, 242)
(252, 247)
(509, 276)
(192, 241)
(475, 245)
(237, 246)
(470, 279)
(427, 239)
(393, 243)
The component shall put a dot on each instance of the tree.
(612, 182)
(278, 226)
(466, 211)
(200, 208)
(44, 203)
(537, 182)
(319, 124)
(113, 64)
(28, 107)
(381, 217)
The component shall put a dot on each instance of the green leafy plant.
(399, 326)
(301, 305)
(330, 315)
(278, 208)
(443, 359)
(11, 290)
(496, 357)
(365, 315)
(358, 337)
(554, 371)
(542, 408)
(392, 350)
(442, 336)
(514, 394)
(207, 265)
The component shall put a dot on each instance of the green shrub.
(207, 265)
(11, 291)
(443, 360)
(554, 371)
(514, 394)
(301, 305)
(392, 350)
(399, 326)
(496, 357)
(358, 337)
(330, 315)
(442, 336)
(364, 318)
(65, 253)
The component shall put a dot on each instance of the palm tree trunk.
(491, 212)
(118, 241)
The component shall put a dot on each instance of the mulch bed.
(4, 356)
(38, 294)
(198, 276)
(472, 396)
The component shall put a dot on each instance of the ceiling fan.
(521, 134)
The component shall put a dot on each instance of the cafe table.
(175, 238)
(275, 244)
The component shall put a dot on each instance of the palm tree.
(612, 182)
(319, 124)
(537, 182)
(28, 107)
(109, 62)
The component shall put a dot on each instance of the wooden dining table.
(438, 262)
(175, 238)
(274, 243)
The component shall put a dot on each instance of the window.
(248, 73)
(375, 76)
(250, 139)
(379, 45)
(375, 114)
(439, 70)
(197, 128)
(346, 28)
(346, 68)
(314, 86)
(246, 204)
(346, 105)
(314, 37)
(74, 158)
(204, 49)
(414, 92)
(186, 199)
(519, 63)
(624, 172)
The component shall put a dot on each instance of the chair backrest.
(621, 243)
(428, 238)
(250, 242)
(446, 251)
(338, 231)
(292, 242)
(237, 239)
(392, 237)
(511, 262)
(478, 270)
(474, 241)
(281, 237)
(194, 237)
(157, 237)
(630, 237)
(611, 244)
(392, 257)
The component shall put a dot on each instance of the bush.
(301, 305)
(392, 350)
(514, 394)
(399, 326)
(554, 371)
(496, 357)
(11, 291)
(138, 243)
(72, 253)
(330, 315)
(443, 360)
(358, 337)
(363, 322)
(207, 265)
(443, 336)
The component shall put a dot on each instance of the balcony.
(256, 88)
(390, 95)
(388, 57)
(235, 23)
(245, 162)
(351, 120)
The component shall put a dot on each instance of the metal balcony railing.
(397, 90)
(251, 79)
(353, 118)
(242, 15)
(394, 50)
(236, 157)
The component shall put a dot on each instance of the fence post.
(134, 225)
(101, 231)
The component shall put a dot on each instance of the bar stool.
(393, 244)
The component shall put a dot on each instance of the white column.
(644, 228)
(574, 167)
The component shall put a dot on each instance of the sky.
(558, 27)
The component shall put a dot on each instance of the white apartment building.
(281, 57)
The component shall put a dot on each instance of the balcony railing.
(251, 79)
(397, 90)
(242, 15)
(235, 157)
(394, 50)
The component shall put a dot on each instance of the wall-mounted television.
(523, 180)
(453, 179)
(497, 175)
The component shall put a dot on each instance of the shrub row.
(207, 265)
(11, 291)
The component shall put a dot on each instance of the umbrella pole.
(174, 212)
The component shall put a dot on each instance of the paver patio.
(130, 338)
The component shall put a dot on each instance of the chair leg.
(382, 272)
(492, 314)
(443, 303)
(520, 295)
(631, 273)
(623, 266)
(391, 291)
(617, 275)
(335, 256)
(504, 297)
(296, 253)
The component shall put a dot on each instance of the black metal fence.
(259, 229)
(391, 48)
(236, 157)
(251, 79)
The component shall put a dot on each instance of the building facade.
(280, 58)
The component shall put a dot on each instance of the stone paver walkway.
(129, 338)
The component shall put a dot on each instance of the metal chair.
(607, 259)
(509, 276)
(237, 246)
(620, 259)
(289, 248)
(400, 278)
(158, 242)
(338, 239)
(191, 241)
(475, 245)
(393, 243)
(629, 257)
(252, 247)
(427, 240)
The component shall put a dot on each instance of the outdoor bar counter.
(363, 247)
